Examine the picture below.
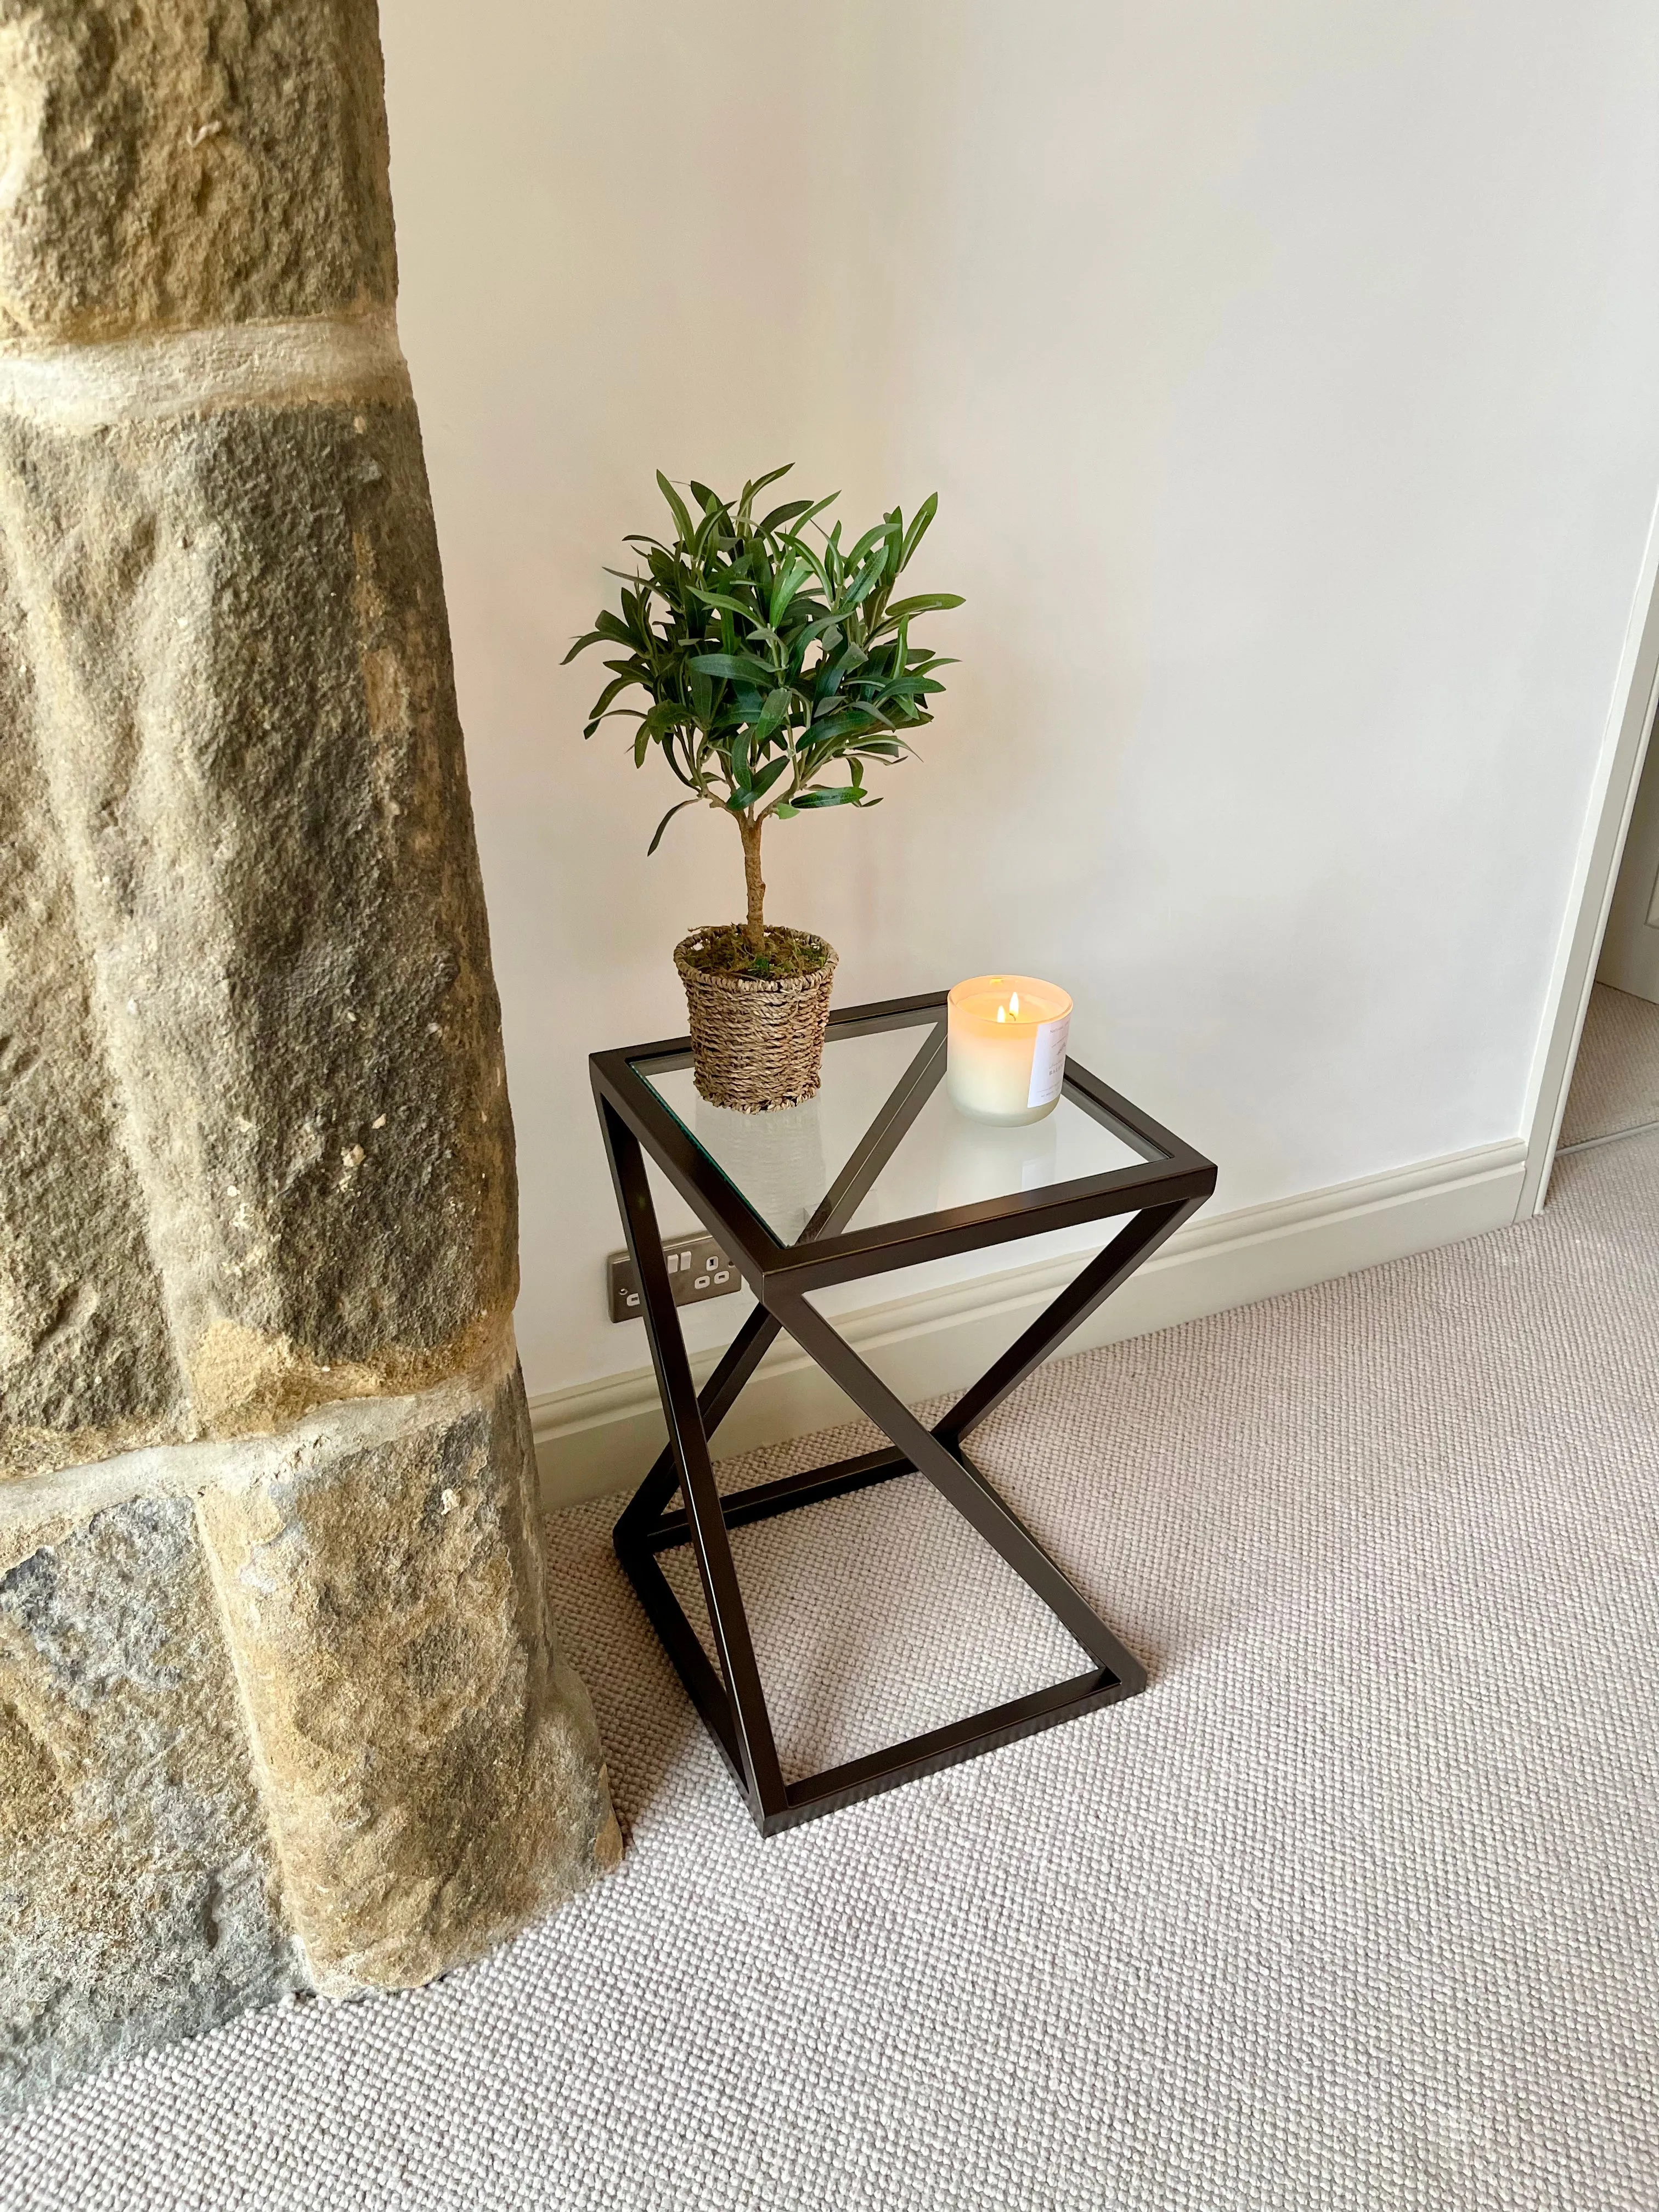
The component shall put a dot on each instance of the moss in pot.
(777, 666)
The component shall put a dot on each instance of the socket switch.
(697, 1269)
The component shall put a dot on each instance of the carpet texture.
(1355, 1907)
(1615, 1079)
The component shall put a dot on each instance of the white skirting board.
(592, 1437)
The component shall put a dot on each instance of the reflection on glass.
(784, 1163)
(977, 1158)
(947, 1159)
(777, 1159)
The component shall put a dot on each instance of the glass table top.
(784, 1163)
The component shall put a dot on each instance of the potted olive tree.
(776, 670)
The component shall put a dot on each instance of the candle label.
(1049, 1062)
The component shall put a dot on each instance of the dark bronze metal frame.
(1159, 1195)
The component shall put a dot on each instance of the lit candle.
(1007, 1050)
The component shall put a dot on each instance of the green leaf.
(918, 530)
(812, 515)
(726, 604)
(780, 515)
(618, 685)
(666, 715)
(678, 508)
(906, 687)
(825, 626)
(679, 809)
(784, 590)
(760, 484)
(772, 713)
(624, 713)
(861, 586)
(924, 603)
(785, 812)
(742, 775)
(735, 667)
(850, 721)
(870, 539)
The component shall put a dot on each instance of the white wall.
(1287, 375)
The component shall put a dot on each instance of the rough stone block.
(87, 1365)
(430, 1766)
(137, 1883)
(233, 660)
(199, 161)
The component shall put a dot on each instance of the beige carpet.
(1615, 1079)
(1357, 1907)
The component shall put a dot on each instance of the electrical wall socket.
(697, 1269)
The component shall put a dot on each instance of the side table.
(877, 1173)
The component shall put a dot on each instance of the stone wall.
(278, 1703)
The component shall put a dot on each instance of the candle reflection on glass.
(977, 1161)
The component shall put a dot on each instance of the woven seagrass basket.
(758, 1041)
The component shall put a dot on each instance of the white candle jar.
(1007, 1047)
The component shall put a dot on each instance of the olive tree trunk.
(749, 831)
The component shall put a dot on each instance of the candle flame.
(1013, 1006)
(1002, 1013)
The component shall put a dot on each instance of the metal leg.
(764, 1499)
(748, 1731)
(1127, 1250)
(963, 1485)
(718, 1396)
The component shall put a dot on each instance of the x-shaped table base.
(729, 1696)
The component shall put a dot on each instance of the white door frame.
(1595, 871)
